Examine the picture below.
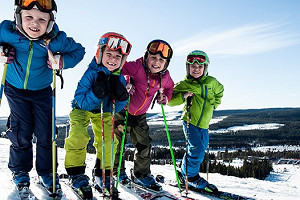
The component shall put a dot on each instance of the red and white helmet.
(113, 41)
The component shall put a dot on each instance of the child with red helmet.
(149, 75)
(32, 36)
(100, 86)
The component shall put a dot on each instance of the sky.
(282, 183)
(253, 45)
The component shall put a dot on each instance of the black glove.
(101, 86)
(118, 90)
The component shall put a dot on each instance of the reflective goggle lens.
(156, 47)
(200, 59)
(44, 4)
(116, 43)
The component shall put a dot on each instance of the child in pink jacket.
(148, 75)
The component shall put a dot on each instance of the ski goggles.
(114, 44)
(43, 5)
(162, 48)
(200, 59)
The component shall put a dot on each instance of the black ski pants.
(30, 113)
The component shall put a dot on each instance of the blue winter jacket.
(29, 69)
(84, 97)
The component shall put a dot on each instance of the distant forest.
(289, 134)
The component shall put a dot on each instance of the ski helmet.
(200, 57)
(113, 41)
(47, 6)
(161, 47)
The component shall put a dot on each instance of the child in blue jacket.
(100, 86)
(28, 85)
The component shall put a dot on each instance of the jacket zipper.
(205, 96)
(28, 65)
(144, 100)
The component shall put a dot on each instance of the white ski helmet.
(47, 6)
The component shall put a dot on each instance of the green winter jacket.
(207, 96)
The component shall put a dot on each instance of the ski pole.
(103, 149)
(188, 106)
(207, 163)
(170, 145)
(112, 147)
(123, 141)
(53, 132)
(3, 81)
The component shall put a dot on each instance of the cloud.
(244, 40)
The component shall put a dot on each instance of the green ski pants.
(76, 143)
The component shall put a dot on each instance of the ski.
(105, 195)
(219, 194)
(70, 192)
(26, 194)
(41, 192)
(147, 193)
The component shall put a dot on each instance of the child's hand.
(162, 99)
(188, 94)
(118, 90)
(55, 62)
(101, 86)
(130, 88)
(120, 128)
(7, 54)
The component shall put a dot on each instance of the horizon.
(67, 115)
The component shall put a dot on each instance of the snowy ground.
(283, 183)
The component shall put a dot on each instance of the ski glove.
(101, 86)
(56, 62)
(162, 99)
(130, 88)
(118, 90)
(7, 54)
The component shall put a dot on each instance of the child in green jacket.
(201, 94)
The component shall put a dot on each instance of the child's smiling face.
(196, 70)
(156, 63)
(34, 22)
(111, 59)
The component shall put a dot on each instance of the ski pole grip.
(189, 101)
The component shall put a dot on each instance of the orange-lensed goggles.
(114, 44)
(162, 48)
(43, 5)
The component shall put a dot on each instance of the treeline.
(256, 164)
(289, 134)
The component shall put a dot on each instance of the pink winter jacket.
(141, 99)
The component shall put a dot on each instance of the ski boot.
(147, 181)
(98, 183)
(80, 183)
(200, 183)
(47, 182)
(22, 181)
(123, 178)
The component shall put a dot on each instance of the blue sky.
(253, 45)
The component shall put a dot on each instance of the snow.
(283, 182)
(267, 126)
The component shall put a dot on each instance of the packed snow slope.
(283, 182)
